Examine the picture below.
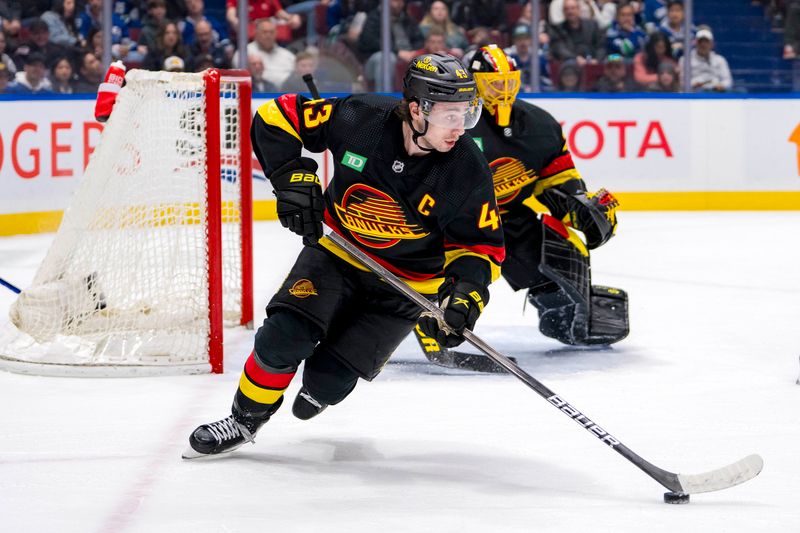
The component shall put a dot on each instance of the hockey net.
(153, 255)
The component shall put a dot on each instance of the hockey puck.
(676, 497)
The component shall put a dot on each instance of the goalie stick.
(680, 484)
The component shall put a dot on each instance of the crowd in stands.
(56, 46)
(785, 15)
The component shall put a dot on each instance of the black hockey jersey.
(420, 217)
(527, 157)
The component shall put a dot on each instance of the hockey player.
(529, 158)
(409, 192)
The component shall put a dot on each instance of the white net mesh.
(125, 282)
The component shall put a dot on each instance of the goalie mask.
(498, 81)
(445, 91)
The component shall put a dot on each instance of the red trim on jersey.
(288, 104)
(557, 225)
(559, 164)
(262, 378)
(496, 253)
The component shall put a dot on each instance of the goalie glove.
(462, 303)
(593, 214)
(299, 197)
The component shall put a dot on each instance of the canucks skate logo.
(303, 288)
(510, 176)
(374, 218)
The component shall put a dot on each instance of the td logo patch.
(354, 161)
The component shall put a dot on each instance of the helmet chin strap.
(415, 135)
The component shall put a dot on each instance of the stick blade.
(722, 478)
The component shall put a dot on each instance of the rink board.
(677, 153)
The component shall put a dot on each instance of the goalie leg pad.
(563, 304)
(609, 318)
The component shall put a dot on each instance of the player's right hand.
(299, 197)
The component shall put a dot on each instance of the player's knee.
(329, 380)
(285, 339)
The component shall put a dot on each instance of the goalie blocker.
(571, 310)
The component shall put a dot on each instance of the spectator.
(577, 38)
(174, 64)
(667, 80)
(434, 42)
(61, 76)
(95, 42)
(605, 11)
(406, 39)
(202, 62)
(791, 31)
(472, 13)
(5, 59)
(520, 52)
(646, 63)
(305, 63)
(346, 19)
(257, 10)
(205, 44)
(168, 43)
(10, 13)
(156, 16)
(615, 78)
(40, 43)
(92, 19)
(32, 79)
(277, 60)
(555, 13)
(256, 67)
(195, 14)
(90, 73)
(672, 26)
(5, 77)
(309, 9)
(655, 11)
(60, 21)
(710, 70)
(569, 77)
(478, 37)
(624, 37)
(438, 16)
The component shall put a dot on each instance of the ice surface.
(706, 377)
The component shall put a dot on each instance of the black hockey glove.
(300, 205)
(462, 303)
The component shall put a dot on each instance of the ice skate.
(306, 406)
(226, 435)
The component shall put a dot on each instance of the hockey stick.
(9, 286)
(680, 485)
(447, 358)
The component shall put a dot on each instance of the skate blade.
(190, 453)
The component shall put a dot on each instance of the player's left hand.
(462, 303)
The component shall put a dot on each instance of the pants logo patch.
(303, 288)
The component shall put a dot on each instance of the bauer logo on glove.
(299, 197)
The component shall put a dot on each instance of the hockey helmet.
(498, 81)
(439, 78)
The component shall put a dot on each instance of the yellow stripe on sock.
(256, 393)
